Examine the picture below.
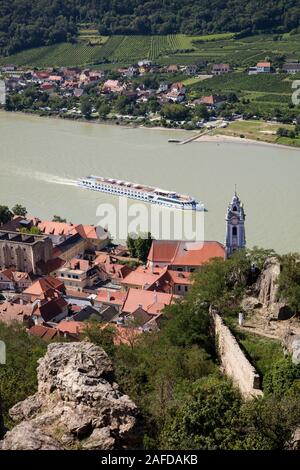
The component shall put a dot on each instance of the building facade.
(24, 252)
(235, 237)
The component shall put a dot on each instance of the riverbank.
(227, 135)
(221, 138)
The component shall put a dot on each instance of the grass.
(262, 352)
(256, 130)
(192, 80)
(172, 48)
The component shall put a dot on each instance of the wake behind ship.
(140, 192)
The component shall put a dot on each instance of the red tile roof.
(151, 302)
(44, 332)
(180, 253)
(263, 64)
(10, 312)
(72, 327)
(111, 297)
(51, 308)
(144, 277)
(44, 287)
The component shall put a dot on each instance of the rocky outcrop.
(267, 283)
(264, 293)
(291, 344)
(78, 405)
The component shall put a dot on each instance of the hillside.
(172, 375)
(24, 24)
(122, 50)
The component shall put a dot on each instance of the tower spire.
(235, 225)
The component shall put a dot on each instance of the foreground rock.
(264, 294)
(78, 405)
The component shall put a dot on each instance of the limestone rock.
(291, 343)
(267, 283)
(78, 405)
(27, 436)
(264, 294)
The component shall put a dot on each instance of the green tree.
(18, 209)
(101, 335)
(5, 215)
(174, 112)
(139, 246)
(267, 423)
(131, 245)
(86, 107)
(32, 230)
(57, 218)
(205, 421)
(281, 377)
(18, 377)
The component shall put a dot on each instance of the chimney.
(155, 297)
(108, 296)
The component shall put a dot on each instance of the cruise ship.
(140, 192)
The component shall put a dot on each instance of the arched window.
(234, 231)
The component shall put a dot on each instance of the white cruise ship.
(140, 192)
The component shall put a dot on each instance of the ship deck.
(143, 188)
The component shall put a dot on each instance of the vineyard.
(169, 49)
(57, 55)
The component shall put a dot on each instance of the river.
(40, 157)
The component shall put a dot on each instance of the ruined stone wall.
(234, 362)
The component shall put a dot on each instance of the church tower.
(235, 238)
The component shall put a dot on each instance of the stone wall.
(234, 362)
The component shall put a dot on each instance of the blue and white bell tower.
(235, 238)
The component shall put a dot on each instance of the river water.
(40, 158)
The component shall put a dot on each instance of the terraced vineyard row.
(132, 48)
(173, 48)
(57, 55)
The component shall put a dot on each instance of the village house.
(163, 87)
(109, 297)
(178, 87)
(211, 101)
(57, 79)
(261, 67)
(158, 279)
(46, 333)
(113, 86)
(13, 280)
(11, 312)
(191, 69)
(173, 68)
(220, 69)
(49, 309)
(110, 270)
(183, 256)
(78, 274)
(150, 302)
(44, 287)
(291, 67)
